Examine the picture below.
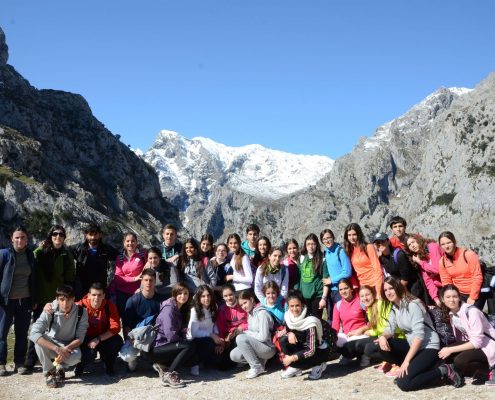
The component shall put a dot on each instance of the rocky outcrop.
(60, 164)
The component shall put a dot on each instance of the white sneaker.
(194, 370)
(317, 371)
(365, 361)
(132, 365)
(290, 372)
(254, 372)
(344, 360)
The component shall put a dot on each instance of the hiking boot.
(194, 370)
(317, 372)
(3, 370)
(51, 381)
(171, 379)
(79, 370)
(254, 372)
(160, 368)
(365, 361)
(491, 378)
(451, 375)
(291, 372)
(21, 370)
(60, 376)
(344, 360)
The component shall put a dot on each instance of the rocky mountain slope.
(434, 165)
(60, 164)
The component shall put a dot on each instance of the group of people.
(411, 305)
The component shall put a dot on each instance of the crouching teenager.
(254, 346)
(302, 341)
(59, 335)
(103, 331)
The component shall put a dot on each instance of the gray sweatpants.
(46, 356)
(251, 351)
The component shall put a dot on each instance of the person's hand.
(93, 343)
(63, 353)
(173, 259)
(470, 300)
(383, 343)
(48, 308)
(137, 278)
(322, 304)
(416, 259)
(352, 333)
(219, 349)
(292, 338)
(403, 369)
(444, 353)
(287, 360)
(281, 332)
(217, 339)
(326, 281)
(368, 332)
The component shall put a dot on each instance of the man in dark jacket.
(95, 261)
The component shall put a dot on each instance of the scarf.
(302, 323)
(271, 269)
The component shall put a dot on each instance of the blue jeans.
(18, 310)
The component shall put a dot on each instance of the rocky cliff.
(60, 164)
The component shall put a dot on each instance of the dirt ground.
(337, 382)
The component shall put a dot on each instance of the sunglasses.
(61, 234)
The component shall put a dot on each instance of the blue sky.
(306, 77)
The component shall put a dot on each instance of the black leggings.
(313, 307)
(467, 362)
(176, 354)
(421, 371)
(356, 348)
(320, 356)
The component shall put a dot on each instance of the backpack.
(444, 329)
(329, 336)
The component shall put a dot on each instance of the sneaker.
(78, 371)
(344, 360)
(160, 368)
(317, 371)
(451, 375)
(194, 370)
(51, 380)
(60, 376)
(3, 370)
(132, 365)
(365, 361)
(393, 372)
(384, 367)
(171, 379)
(254, 372)
(491, 378)
(290, 372)
(21, 370)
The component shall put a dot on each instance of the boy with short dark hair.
(398, 226)
(252, 235)
(58, 336)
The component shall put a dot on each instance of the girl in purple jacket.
(171, 346)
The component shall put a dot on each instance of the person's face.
(345, 291)
(366, 297)
(169, 237)
(58, 238)
(382, 246)
(390, 293)
(205, 299)
(221, 253)
(130, 244)
(252, 237)
(451, 299)
(398, 229)
(413, 244)
(447, 246)
(205, 246)
(229, 297)
(233, 245)
(328, 240)
(293, 251)
(275, 258)
(352, 237)
(65, 303)
(153, 260)
(262, 247)
(19, 240)
(182, 297)
(246, 304)
(295, 307)
(93, 238)
(148, 283)
(311, 246)
(190, 250)
(96, 297)
(271, 296)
